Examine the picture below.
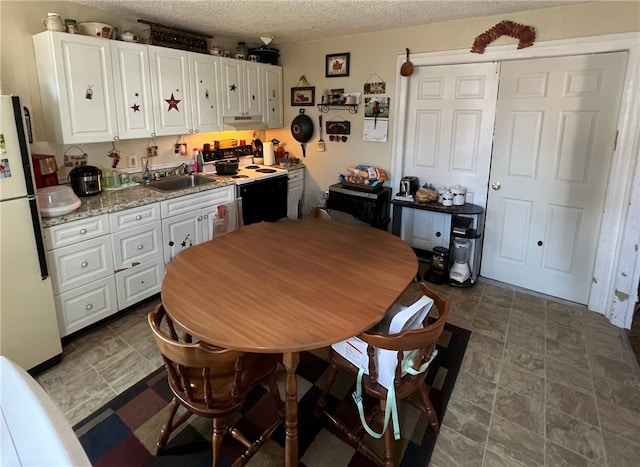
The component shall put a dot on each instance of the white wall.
(375, 52)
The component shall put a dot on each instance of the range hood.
(243, 123)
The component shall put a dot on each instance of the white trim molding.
(616, 275)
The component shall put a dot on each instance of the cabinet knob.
(496, 186)
(84, 264)
(197, 131)
(191, 130)
(138, 217)
(153, 134)
(140, 247)
(116, 138)
(171, 243)
(89, 306)
(199, 218)
(438, 234)
(83, 231)
(540, 243)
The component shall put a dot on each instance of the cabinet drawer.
(137, 245)
(74, 232)
(140, 282)
(134, 217)
(188, 203)
(86, 305)
(296, 176)
(77, 265)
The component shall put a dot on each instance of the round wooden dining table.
(287, 287)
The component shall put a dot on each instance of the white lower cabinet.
(189, 220)
(86, 305)
(81, 260)
(137, 253)
(106, 263)
(294, 196)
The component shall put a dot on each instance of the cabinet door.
(76, 80)
(232, 99)
(204, 71)
(273, 96)
(132, 83)
(135, 284)
(293, 199)
(253, 88)
(171, 91)
(180, 232)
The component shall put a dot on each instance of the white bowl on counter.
(56, 201)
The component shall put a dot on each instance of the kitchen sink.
(179, 183)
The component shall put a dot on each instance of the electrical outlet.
(133, 161)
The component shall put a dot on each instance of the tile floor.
(542, 383)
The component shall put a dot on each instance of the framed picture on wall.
(337, 65)
(303, 96)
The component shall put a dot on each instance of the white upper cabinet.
(96, 90)
(76, 83)
(242, 88)
(132, 83)
(204, 71)
(273, 112)
(171, 91)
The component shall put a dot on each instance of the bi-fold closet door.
(532, 140)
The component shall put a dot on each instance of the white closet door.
(554, 138)
(450, 120)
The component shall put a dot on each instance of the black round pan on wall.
(302, 129)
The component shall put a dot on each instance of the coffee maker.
(45, 170)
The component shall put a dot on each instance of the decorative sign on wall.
(375, 87)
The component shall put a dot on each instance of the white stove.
(248, 173)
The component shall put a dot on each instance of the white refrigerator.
(29, 332)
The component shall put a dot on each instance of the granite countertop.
(131, 197)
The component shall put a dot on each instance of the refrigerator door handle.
(37, 232)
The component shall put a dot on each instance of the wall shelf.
(324, 108)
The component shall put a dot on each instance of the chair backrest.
(423, 340)
(204, 375)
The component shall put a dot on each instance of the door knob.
(496, 186)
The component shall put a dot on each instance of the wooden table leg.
(291, 361)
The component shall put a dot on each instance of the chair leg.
(275, 394)
(219, 430)
(431, 413)
(322, 401)
(167, 428)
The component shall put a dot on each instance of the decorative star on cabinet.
(135, 107)
(173, 103)
(232, 88)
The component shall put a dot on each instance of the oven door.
(264, 200)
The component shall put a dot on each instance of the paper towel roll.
(269, 154)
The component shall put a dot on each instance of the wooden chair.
(409, 387)
(211, 382)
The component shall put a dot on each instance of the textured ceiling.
(290, 21)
